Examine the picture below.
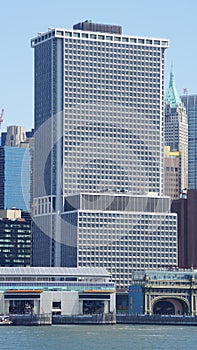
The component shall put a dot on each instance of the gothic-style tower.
(176, 134)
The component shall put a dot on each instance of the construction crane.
(1, 117)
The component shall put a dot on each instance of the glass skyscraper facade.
(15, 178)
(99, 126)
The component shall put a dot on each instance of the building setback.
(98, 121)
(120, 232)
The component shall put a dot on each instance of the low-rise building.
(56, 291)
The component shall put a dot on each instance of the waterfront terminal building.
(56, 291)
(164, 292)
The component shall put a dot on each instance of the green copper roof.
(172, 96)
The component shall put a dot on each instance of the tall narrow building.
(176, 133)
(99, 127)
(15, 178)
(16, 168)
(190, 102)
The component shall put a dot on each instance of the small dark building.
(15, 238)
(186, 208)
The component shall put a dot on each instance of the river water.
(110, 337)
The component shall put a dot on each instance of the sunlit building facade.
(99, 126)
(172, 173)
(176, 130)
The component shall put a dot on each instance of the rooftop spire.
(172, 82)
(172, 96)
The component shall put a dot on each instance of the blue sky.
(175, 20)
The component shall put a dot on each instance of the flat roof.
(100, 36)
(55, 271)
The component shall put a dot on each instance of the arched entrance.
(170, 306)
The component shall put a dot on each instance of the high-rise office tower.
(190, 102)
(99, 126)
(176, 131)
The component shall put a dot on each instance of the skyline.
(21, 22)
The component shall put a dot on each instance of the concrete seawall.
(157, 319)
(99, 319)
(31, 320)
(85, 319)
